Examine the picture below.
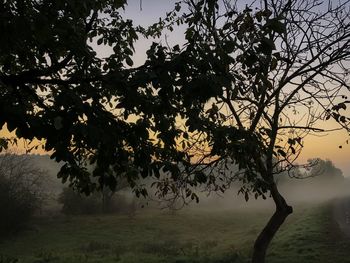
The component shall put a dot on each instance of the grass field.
(309, 235)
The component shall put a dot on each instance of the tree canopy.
(54, 86)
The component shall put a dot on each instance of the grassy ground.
(309, 235)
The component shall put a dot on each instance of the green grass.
(308, 236)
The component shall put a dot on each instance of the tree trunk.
(269, 231)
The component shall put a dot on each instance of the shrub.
(75, 203)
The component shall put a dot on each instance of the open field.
(309, 235)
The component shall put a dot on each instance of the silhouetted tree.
(249, 84)
(54, 86)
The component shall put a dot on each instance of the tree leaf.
(99, 41)
(129, 61)
(282, 153)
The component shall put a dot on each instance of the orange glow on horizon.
(324, 146)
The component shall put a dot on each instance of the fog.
(318, 188)
(296, 192)
(320, 183)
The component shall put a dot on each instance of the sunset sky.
(323, 145)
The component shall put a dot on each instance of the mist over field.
(318, 188)
(309, 192)
(220, 228)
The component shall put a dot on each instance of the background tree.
(326, 170)
(317, 180)
(21, 191)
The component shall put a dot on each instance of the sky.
(325, 145)
(147, 12)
